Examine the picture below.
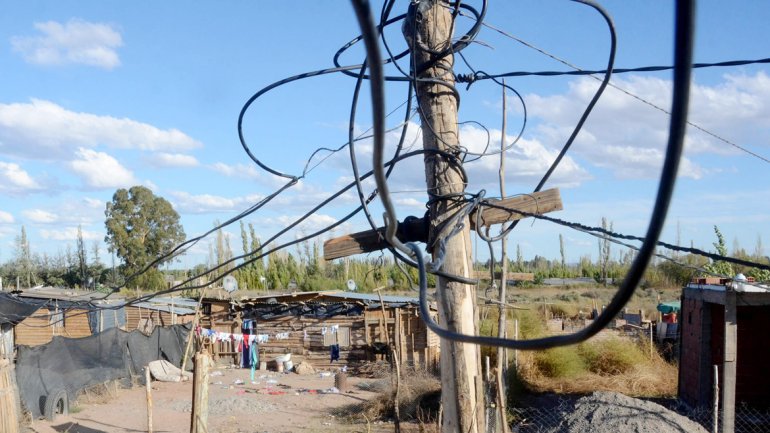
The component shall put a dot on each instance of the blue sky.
(100, 95)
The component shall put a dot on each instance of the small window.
(339, 336)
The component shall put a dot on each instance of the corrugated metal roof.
(178, 302)
(371, 299)
(182, 311)
(61, 294)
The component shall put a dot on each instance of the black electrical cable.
(605, 232)
(469, 78)
(458, 46)
(683, 61)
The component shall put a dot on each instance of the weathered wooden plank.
(535, 203)
(415, 229)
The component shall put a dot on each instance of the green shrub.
(530, 324)
(561, 362)
(564, 310)
(611, 356)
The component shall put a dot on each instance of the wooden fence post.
(148, 386)
(9, 395)
(200, 407)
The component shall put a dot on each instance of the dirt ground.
(274, 403)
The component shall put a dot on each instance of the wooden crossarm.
(415, 229)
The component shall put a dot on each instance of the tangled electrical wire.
(454, 154)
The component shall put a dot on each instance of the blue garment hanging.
(254, 358)
(335, 352)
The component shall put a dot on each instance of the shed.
(309, 324)
(64, 312)
(725, 325)
(145, 316)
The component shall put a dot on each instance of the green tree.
(604, 252)
(82, 258)
(23, 266)
(96, 267)
(717, 266)
(142, 227)
(563, 257)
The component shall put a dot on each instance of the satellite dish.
(352, 285)
(230, 283)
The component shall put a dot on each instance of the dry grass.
(632, 373)
(99, 394)
(419, 397)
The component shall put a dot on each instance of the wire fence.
(559, 418)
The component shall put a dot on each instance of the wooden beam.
(536, 203)
(415, 229)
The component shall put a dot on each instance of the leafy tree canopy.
(141, 227)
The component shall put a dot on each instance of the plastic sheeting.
(320, 311)
(670, 307)
(99, 320)
(72, 364)
(13, 310)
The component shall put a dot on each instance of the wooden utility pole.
(428, 29)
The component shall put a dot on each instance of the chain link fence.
(556, 418)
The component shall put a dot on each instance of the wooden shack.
(308, 324)
(63, 312)
(159, 312)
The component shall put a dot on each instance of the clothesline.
(258, 338)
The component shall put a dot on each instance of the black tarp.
(13, 310)
(315, 310)
(72, 364)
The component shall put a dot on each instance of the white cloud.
(207, 203)
(411, 203)
(313, 223)
(93, 203)
(69, 234)
(100, 170)
(44, 130)
(629, 137)
(163, 159)
(15, 180)
(40, 216)
(74, 42)
(526, 161)
(243, 171)
(6, 218)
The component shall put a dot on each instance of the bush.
(561, 362)
(568, 297)
(612, 356)
(530, 324)
(564, 310)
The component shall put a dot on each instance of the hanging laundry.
(254, 349)
(335, 352)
